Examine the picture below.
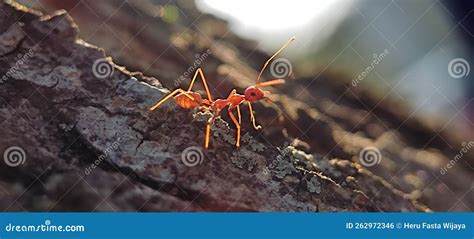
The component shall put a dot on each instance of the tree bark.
(90, 143)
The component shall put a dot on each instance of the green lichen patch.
(284, 164)
(244, 158)
(290, 202)
(250, 142)
(284, 168)
(313, 185)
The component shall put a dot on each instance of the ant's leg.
(164, 99)
(231, 106)
(233, 92)
(239, 116)
(237, 125)
(169, 96)
(203, 78)
(252, 117)
(185, 93)
(208, 132)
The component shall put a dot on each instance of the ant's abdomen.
(186, 102)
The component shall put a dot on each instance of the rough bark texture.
(92, 145)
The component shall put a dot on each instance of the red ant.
(190, 99)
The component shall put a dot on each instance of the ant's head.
(253, 93)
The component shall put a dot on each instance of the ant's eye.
(253, 94)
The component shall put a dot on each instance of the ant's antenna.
(273, 56)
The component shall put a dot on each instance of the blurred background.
(419, 52)
(421, 37)
(391, 73)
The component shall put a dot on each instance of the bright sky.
(278, 19)
(270, 15)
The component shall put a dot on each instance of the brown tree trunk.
(87, 142)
